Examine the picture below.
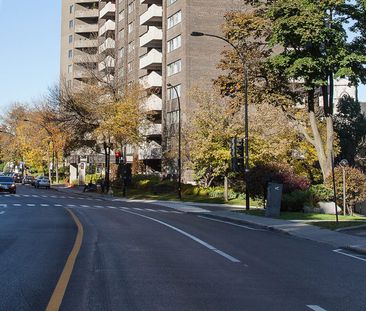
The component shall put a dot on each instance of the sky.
(29, 50)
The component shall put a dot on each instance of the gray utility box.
(274, 197)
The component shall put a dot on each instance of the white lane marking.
(31, 205)
(315, 308)
(150, 210)
(58, 205)
(137, 209)
(3, 205)
(84, 205)
(125, 208)
(44, 205)
(231, 223)
(26, 195)
(44, 196)
(163, 211)
(16, 204)
(192, 237)
(339, 251)
(2, 213)
(113, 207)
(35, 195)
(71, 205)
(176, 212)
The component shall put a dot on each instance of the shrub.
(263, 173)
(320, 193)
(294, 201)
(92, 178)
(355, 186)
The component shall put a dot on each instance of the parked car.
(17, 178)
(27, 180)
(7, 184)
(43, 182)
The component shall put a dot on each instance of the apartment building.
(146, 42)
(79, 40)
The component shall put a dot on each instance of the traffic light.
(118, 156)
(237, 155)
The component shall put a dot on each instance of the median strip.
(59, 292)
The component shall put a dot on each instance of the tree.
(350, 125)
(315, 51)
(208, 133)
(306, 49)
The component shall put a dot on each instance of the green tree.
(315, 50)
(350, 125)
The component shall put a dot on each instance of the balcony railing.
(152, 38)
(85, 13)
(108, 44)
(152, 16)
(151, 60)
(153, 103)
(85, 43)
(83, 28)
(152, 80)
(108, 11)
(108, 26)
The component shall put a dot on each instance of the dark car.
(17, 178)
(7, 184)
(27, 180)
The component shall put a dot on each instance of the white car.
(43, 182)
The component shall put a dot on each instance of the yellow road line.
(59, 291)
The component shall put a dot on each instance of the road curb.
(360, 249)
(241, 221)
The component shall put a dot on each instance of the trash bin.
(274, 197)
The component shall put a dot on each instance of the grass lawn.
(321, 220)
(148, 195)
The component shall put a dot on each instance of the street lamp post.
(179, 142)
(246, 118)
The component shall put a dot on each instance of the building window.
(70, 38)
(121, 34)
(69, 54)
(71, 9)
(130, 27)
(172, 117)
(174, 19)
(171, 2)
(121, 15)
(69, 69)
(174, 43)
(172, 94)
(131, 46)
(121, 51)
(131, 7)
(71, 24)
(174, 68)
(129, 67)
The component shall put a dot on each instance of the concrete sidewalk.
(223, 212)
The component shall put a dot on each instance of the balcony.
(81, 74)
(153, 103)
(153, 16)
(108, 11)
(150, 151)
(152, 80)
(86, 13)
(107, 64)
(85, 58)
(152, 38)
(85, 28)
(85, 43)
(86, 1)
(151, 60)
(108, 44)
(158, 2)
(108, 26)
(153, 129)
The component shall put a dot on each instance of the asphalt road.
(137, 256)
